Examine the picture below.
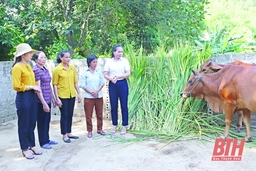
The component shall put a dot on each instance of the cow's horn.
(194, 72)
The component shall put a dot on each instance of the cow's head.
(193, 87)
(210, 67)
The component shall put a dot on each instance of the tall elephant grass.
(155, 105)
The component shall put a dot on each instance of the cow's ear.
(209, 63)
(215, 67)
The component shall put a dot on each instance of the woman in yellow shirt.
(65, 85)
(23, 81)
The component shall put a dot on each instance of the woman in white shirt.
(91, 81)
(116, 70)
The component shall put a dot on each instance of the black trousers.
(66, 114)
(26, 105)
(43, 124)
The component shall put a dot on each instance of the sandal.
(30, 156)
(73, 136)
(89, 135)
(35, 151)
(101, 132)
(66, 140)
(123, 130)
(51, 142)
(113, 131)
(47, 146)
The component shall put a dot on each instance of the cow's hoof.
(248, 139)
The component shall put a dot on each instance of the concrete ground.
(105, 153)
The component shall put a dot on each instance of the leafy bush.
(56, 47)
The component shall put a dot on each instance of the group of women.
(35, 95)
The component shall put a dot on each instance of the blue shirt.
(91, 81)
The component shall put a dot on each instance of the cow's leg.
(239, 120)
(247, 122)
(229, 112)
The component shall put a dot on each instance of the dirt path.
(105, 154)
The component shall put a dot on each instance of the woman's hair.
(35, 56)
(114, 49)
(17, 59)
(90, 58)
(60, 55)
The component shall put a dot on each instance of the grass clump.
(155, 106)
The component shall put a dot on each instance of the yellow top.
(65, 80)
(22, 76)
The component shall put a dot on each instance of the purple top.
(44, 76)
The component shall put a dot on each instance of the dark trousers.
(26, 105)
(89, 104)
(119, 91)
(66, 115)
(43, 124)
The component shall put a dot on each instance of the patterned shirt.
(43, 75)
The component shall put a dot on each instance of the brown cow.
(230, 89)
(211, 67)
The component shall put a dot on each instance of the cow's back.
(238, 85)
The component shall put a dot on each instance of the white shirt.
(116, 67)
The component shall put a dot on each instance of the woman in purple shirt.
(43, 79)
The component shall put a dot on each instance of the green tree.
(93, 26)
(10, 35)
(235, 17)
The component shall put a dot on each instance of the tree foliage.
(10, 35)
(93, 26)
(231, 26)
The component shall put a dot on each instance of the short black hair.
(35, 56)
(90, 58)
